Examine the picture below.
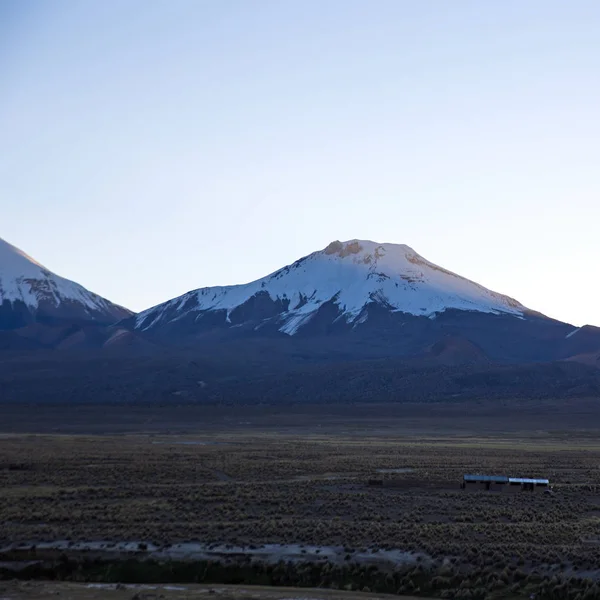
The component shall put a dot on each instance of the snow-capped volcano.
(29, 292)
(346, 279)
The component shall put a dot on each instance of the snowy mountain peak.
(29, 291)
(15, 263)
(351, 277)
(366, 249)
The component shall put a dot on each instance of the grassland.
(255, 488)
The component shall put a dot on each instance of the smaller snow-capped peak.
(14, 263)
(24, 281)
(352, 275)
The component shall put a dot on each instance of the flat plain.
(274, 490)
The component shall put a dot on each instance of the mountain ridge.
(353, 300)
(366, 300)
(356, 321)
(350, 275)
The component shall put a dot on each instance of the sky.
(151, 147)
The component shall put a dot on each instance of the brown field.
(228, 493)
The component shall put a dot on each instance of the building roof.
(528, 480)
(486, 478)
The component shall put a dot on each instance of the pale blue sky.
(151, 147)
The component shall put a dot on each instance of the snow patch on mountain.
(352, 275)
(23, 279)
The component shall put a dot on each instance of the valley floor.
(251, 488)
(510, 417)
